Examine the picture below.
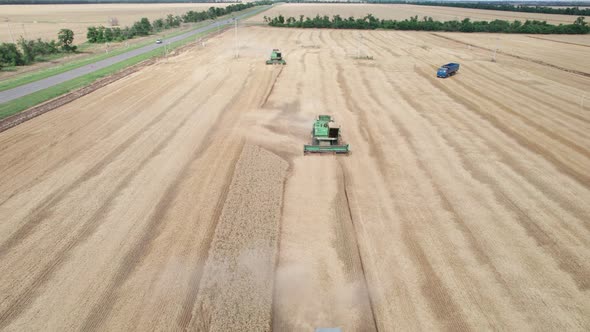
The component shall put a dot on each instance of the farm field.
(562, 51)
(401, 12)
(581, 40)
(179, 197)
(45, 21)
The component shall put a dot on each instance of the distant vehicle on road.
(159, 41)
(447, 70)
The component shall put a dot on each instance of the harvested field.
(463, 205)
(401, 12)
(45, 21)
(551, 50)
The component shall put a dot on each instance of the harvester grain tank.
(447, 70)
(325, 137)
(276, 58)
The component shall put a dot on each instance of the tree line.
(579, 26)
(577, 11)
(144, 27)
(526, 8)
(25, 52)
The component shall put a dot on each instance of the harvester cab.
(325, 137)
(276, 58)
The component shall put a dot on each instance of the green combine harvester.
(326, 137)
(276, 58)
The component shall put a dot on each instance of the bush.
(31, 49)
(172, 21)
(10, 55)
(45, 48)
(27, 48)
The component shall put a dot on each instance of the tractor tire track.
(42, 210)
(120, 121)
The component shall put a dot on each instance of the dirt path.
(463, 205)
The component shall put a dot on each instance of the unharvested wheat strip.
(236, 289)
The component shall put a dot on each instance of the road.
(26, 89)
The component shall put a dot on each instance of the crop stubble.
(462, 206)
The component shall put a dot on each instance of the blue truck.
(447, 70)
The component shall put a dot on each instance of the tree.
(100, 34)
(118, 34)
(176, 21)
(169, 21)
(146, 26)
(466, 25)
(159, 25)
(92, 35)
(65, 38)
(143, 27)
(108, 35)
(211, 12)
(580, 26)
(127, 33)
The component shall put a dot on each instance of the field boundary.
(54, 103)
(558, 41)
(97, 68)
(50, 105)
(573, 71)
(36, 75)
(39, 74)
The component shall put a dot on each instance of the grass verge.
(25, 102)
(44, 73)
(20, 104)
